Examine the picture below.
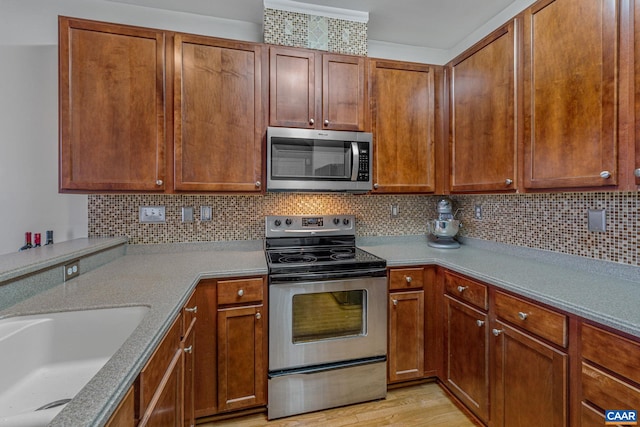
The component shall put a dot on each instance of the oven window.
(327, 315)
(310, 159)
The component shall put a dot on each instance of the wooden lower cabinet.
(406, 336)
(231, 361)
(166, 406)
(531, 380)
(466, 372)
(125, 413)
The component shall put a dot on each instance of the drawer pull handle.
(258, 316)
(188, 349)
(240, 292)
(461, 289)
(395, 301)
(191, 309)
(522, 315)
(496, 332)
(480, 323)
(409, 279)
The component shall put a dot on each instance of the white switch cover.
(152, 214)
(205, 213)
(187, 214)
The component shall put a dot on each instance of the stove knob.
(336, 221)
(288, 221)
(345, 221)
(277, 222)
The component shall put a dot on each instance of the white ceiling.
(436, 24)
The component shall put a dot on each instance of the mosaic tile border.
(554, 222)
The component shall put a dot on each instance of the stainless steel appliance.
(318, 160)
(442, 231)
(327, 315)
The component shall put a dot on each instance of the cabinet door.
(406, 336)
(530, 381)
(189, 350)
(218, 115)
(205, 387)
(292, 99)
(483, 131)
(402, 98)
(241, 364)
(344, 92)
(166, 407)
(112, 117)
(570, 113)
(467, 356)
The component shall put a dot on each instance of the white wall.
(29, 198)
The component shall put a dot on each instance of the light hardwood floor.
(424, 405)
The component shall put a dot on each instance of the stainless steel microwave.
(318, 160)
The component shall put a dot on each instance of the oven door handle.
(328, 367)
(326, 230)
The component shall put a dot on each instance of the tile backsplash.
(554, 222)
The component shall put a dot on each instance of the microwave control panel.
(363, 167)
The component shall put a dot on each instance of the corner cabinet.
(483, 138)
(232, 345)
(314, 90)
(570, 94)
(218, 115)
(112, 107)
(403, 125)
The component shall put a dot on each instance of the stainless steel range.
(327, 315)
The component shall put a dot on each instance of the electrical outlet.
(477, 212)
(150, 214)
(187, 214)
(71, 270)
(597, 220)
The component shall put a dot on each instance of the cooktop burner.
(319, 244)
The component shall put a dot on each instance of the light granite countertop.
(163, 277)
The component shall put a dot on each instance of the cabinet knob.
(409, 279)
(191, 309)
(605, 174)
(189, 349)
(312, 122)
(326, 122)
(480, 323)
(496, 332)
(375, 186)
(637, 173)
(159, 182)
(240, 292)
(461, 289)
(258, 316)
(522, 315)
(395, 301)
(508, 181)
(258, 184)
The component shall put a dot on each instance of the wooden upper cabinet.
(571, 63)
(218, 115)
(313, 90)
(634, 135)
(112, 117)
(402, 121)
(482, 101)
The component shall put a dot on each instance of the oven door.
(323, 322)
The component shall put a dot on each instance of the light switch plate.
(187, 214)
(597, 220)
(150, 214)
(205, 213)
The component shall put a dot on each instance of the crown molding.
(317, 10)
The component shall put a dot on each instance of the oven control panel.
(326, 225)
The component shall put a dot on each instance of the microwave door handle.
(355, 162)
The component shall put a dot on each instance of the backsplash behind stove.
(555, 222)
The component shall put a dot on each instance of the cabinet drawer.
(543, 322)
(467, 290)
(614, 352)
(240, 291)
(606, 391)
(406, 278)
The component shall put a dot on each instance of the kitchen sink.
(45, 359)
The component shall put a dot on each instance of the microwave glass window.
(328, 315)
(310, 159)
